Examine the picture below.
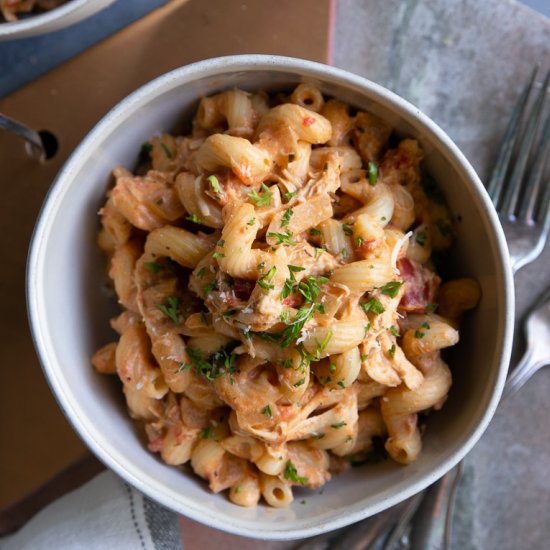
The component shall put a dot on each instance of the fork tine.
(514, 187)
(545, 210)
(530, 202)
(494, 187)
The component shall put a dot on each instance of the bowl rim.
(310, 69)
(52, 19)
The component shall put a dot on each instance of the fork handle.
(432, 524)
(527, 366)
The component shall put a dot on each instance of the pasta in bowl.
(274, 306)
(24, 18)
(276, 266)
(11, 9)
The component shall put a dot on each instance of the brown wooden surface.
(36, 440)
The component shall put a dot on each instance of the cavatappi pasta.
(11, 9)
(275, 268)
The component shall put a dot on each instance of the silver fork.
(523, 202)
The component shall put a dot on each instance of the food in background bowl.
(276, 273)
(45, 16)
(12, 9)
(69, 313)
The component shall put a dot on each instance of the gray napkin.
(464, 63)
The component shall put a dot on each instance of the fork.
(523, 202)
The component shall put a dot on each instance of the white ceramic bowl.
(69, 314)
(53, 20)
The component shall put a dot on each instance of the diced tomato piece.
(420, 286)
(292, 301)
(243, 289)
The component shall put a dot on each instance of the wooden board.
(36, 439)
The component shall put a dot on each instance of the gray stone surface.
(464, 62)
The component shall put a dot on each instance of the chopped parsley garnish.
(207, 289)
(260, 266)
(183, 367)
(310, 287)
(321, 346)
(391, 351)
(421, 238)
(207, 433)
(425, 325)
(394, 330)
(291, 474)
(221, 243)
(251, 221)
(215, 184)
(287, 363)
(218, 255)
(167, 151)
(372, 169)
(359, 241)
(318, 252)
(391, 289)
(215, 365)
(418, 334)
(153, 267)
(374, 305)
(201, 272)
(194, 218)
(346, 228)
(291, 332)
(288, 288)
(229, 312)
(282, 238)
(344, 253)
(263, 198)
(265, 281)
(317, 436)
(300, 382)
(171, 308)
(286, 217)
(364, 357)
(289, 195)
(332, 367)
(314, 231)
(267, 411)
(285, 316)
(295, 268)
(338, 425)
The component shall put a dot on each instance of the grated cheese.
(397, 248)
